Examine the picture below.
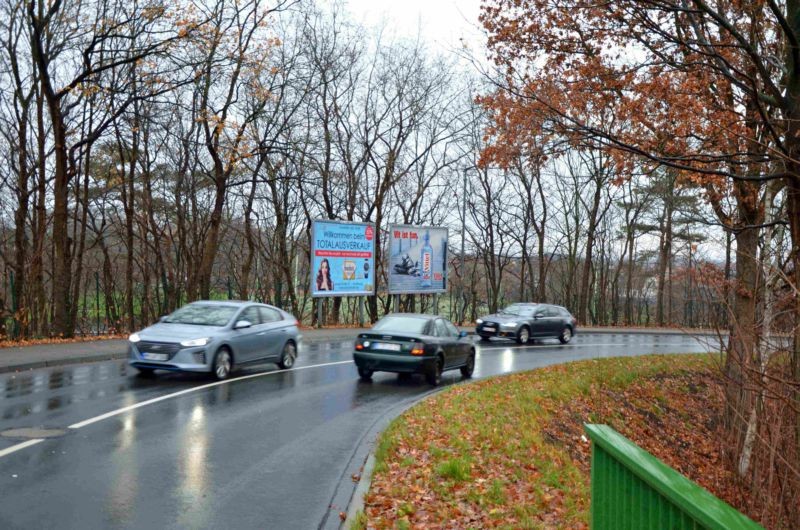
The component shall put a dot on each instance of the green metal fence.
(631, 489)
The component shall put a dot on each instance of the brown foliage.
(8, 343)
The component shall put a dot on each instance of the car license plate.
(155, 356)
(385, 346)
(487, 328)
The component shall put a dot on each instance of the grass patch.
(508, 452)
(456, 469)
(359, 522)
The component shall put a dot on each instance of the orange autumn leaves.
(9, 343)
(640, 80)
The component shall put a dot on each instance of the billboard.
(342, 258)
(417, 259)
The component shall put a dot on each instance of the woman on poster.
(324, 281)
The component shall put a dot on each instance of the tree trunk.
(39, 306)
(741, 359)
(629, 282)
(542, 268)
(247, 266)
(770, 263)
(18, 305)
(212, 239)
(583, 303)
(62, 264)
(664, 253)
(62, 259)
(81, 202)
(793, 198)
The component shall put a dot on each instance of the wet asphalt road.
(275, 450)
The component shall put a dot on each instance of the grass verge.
(509, 452)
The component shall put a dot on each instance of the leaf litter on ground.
(510, 452)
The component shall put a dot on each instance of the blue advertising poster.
(342, 259)
(417, 259)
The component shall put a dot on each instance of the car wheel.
(289, 356)
(523, 335)
(467, 369)
(223, 362)
(146, 372)
(365, 374)
(566, 335)
(434, 377)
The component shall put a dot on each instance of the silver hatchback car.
(214, 337)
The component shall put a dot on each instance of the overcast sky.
(441, 22)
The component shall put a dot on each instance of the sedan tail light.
(418, 349)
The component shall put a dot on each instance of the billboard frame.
(418, 228)
(313, 249)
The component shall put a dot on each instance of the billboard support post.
(319, 312)
(361, 311)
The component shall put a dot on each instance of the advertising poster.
(342, 259)
(417, 259)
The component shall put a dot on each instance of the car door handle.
(263, 333)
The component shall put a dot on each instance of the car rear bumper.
(382, 362)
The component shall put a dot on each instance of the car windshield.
(519, 310)
(401, 324)
(202, 315)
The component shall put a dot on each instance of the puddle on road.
(33, 432)
(321, 346)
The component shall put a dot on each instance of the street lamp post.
(462, 301)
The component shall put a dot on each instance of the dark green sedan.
(409, 343)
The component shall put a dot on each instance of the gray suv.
(522, 322)
(214, 337)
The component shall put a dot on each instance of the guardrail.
(633, 489)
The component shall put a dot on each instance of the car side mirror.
(462, 334)
(242, 324)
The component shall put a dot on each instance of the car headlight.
(134, 337)
(510, 324)
(479, 321)
(195, 342)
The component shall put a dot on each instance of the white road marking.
(117, 412)
(579, 345)
(123, 410)
(23, 445)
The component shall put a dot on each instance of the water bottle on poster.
(426, 260)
